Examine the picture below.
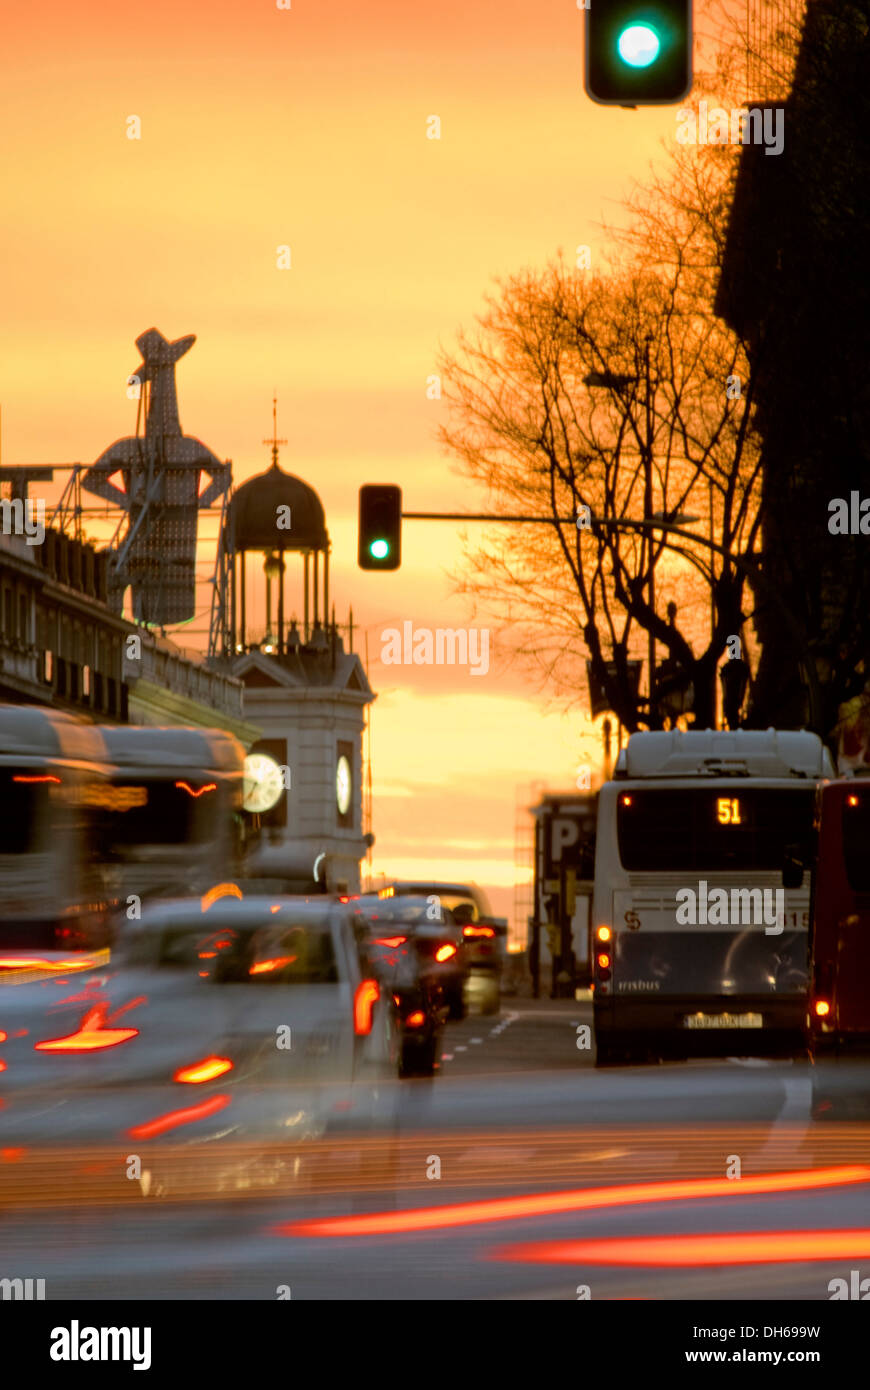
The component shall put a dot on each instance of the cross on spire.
(274, 441)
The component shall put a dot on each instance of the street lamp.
(613, 380)
(659, 521)
(617, 382)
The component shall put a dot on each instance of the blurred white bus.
(173, 829)
(702, 892)
(54, 776)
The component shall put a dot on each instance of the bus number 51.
(728, 811)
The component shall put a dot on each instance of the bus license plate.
(722, 1021)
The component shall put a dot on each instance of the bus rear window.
(856, 846)
(713, 829)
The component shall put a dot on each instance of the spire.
(275, 441)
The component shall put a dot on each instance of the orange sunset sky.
(307, 127)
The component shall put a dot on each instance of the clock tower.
(305, 688)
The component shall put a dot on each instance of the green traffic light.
(638, 45)
(379, 549)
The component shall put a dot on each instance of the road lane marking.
(792, 1122)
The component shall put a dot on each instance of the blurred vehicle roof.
(134, 746)
(28, 731)
(407, 908)
(232, 911)
(424, 887)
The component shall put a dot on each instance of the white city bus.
(177, 797)
(53, 782)
(701, 900)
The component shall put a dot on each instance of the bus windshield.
(24, 809)
(713, 829)
(161, 811)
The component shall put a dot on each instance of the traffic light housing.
(380, 526)
(639, 52)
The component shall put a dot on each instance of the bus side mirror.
(792, 871)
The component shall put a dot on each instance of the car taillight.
(390, 941)
(205, 1070)
(445, 953)
(416, 1019)
(478, 931)
(602, 965)
(367, 995)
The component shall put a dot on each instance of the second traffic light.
(380, 526)
(639, 52)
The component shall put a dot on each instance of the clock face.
(343, 784)
(263, 783)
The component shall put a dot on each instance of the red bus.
(838, 1019)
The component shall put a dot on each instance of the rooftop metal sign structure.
(159, 492)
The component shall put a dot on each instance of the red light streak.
(206, 1070)
(582, 1199)
(262, 966)
(132, 1004)
(209, 787)
(367, 995)
(173, 1119)
(92, 1036)
(697, 1251)
(220, 890)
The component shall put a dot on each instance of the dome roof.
(254, 513)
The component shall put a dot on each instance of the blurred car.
(485, 935)
(401, 960)
(439, 943)
(249, 1018)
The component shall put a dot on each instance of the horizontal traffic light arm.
(748, 565)
(532, 520)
